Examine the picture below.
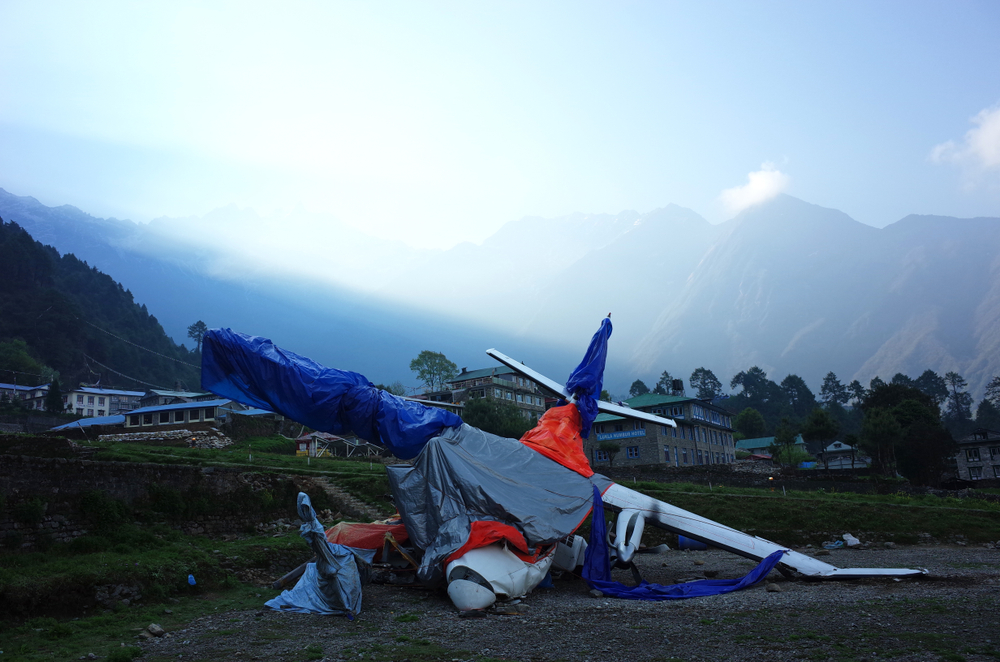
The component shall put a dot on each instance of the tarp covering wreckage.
(487, 514)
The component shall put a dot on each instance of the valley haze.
(785, 285)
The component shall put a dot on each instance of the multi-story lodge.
(978, 456)
(85, 400)
(704, 434)
(502, 383)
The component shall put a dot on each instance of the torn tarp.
(252, 370)
(331, 585)
(597, 570)
(467, 475)
(586, 380)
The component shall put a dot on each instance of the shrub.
(103, 511)
(30, 512)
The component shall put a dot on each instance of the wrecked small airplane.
(492, 516)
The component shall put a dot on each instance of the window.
(100, 401)
(996, 471)
(164, 417)
(666, 452)
(975, 473)
(972, 455)
(673, 432)
(90, 399)
(638, 425)
(90, 412)
(994, 452)
(663, 430)
(700, 459)
(520, 398)
(509, 395)
(619, 427)
(632, 452)
(79, 399)
(685, 452)
(600, 456)
(195, 415)
(132, 420)
(209, 413)
(100, 412)
(496, 393)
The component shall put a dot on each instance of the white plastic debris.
(851, 540)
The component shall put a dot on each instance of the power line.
(137, 381)
(145, 349)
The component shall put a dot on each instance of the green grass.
(792, 518)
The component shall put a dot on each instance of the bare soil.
(953, 613)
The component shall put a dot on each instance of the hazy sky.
(437, 122)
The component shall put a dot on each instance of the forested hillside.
(59, 314)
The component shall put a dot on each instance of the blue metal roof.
(182, 405)
(97, 420)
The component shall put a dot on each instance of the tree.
(820, 426)
(750, 424)
(784, 443)
(612, 449)
(499, 417)
(706, 385)
(993, 391)
(958, 406)
(754, 383)
(922, 446)
(933, 385)
(638, 388)
(798, 395)
(987, 415)
(901, 380)
(664, 384)
(857, 391)
(832, 391)
(605, 395)
(396, 388)
(433, 369)
(880, 434)
(54, 398)
(196, 332)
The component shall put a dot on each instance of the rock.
(699, 563)
(145, 635)
(889, 545)
(155, 630)
(773, 588)
(822, 552)
(594, 593)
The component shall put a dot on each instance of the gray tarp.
(466, 475)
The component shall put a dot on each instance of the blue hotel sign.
(608, 436)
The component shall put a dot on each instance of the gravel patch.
(950, 614)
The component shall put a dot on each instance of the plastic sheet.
(586, 381)
(331, 585)
(597, 571)
(252, 370)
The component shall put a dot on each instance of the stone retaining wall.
(60, 483)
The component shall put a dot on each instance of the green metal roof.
(653, 399)
(606, 418)
(482, 372)
(763, 442)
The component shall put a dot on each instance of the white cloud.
(761, 186)
(980, 149)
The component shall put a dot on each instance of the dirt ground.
(953, 613)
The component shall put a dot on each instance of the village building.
(978, 456)
(704, 434)
(501, 382)
(202, 411)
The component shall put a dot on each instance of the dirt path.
(953, 614)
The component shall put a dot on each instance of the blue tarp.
(586, 380)
(252, 370)
(597, 570)
(331, 585)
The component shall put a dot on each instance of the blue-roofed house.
(203, 411)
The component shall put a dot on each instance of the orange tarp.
(557, 437)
